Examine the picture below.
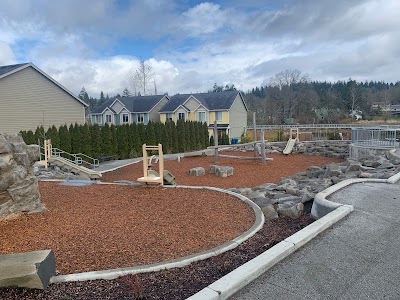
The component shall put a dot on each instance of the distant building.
(129, 110)
(228, 108)
(30, 98)
(395, 109)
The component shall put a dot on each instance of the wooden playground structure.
(151, 176)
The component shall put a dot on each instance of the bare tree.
(141, 78)
(288, 78)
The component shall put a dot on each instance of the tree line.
(123, 141)
(291, 97)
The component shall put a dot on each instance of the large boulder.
(19, 191)
(27, 270)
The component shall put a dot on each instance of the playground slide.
(289, 146)
(61, 162)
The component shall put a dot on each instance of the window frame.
(140, 118)
(107, 117)
(201, 113)
(127, 118)
(169, 117)
(219, 112)
(182, 114)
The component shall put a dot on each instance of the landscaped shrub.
(124, 141)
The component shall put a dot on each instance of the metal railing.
(78, 159)
(375, 137)
(318, 126)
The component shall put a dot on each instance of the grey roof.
(133, 104)
(211, 101)
(10, 68)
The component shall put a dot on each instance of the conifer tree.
(181, 136)
(206, 136)
(122, 142)
(96, 140)
(65, 138)
(52, 134)
(86, 140)
(134, 139)
(29, 138)
(76, 137)
(106, 135)
(114, 138)
(212, 141)
(174, 137)
(40, 135)
(150, 135)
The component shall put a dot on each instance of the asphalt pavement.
(357, 258)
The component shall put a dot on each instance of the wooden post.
(254, 133)
(216, 141)
(145, 162)
(263, 160)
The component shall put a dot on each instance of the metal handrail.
(77, 159)
(317, 126)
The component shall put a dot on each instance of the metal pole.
(263, 160)
(254, 133)
(215, 142)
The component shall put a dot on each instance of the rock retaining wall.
(19, 189)
(329, 148)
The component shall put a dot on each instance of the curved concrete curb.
(329, 213)
(322, 206)
(243, 275)
(175, 263)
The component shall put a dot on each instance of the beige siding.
(28, 99)
(192, 104)
(237, 118)
(154, 116)
(117, 106)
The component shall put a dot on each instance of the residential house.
(395, 109)
(227, 108)
(128, 110)
(29, 98)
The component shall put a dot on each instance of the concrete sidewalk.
(358, 258)
(112, 165)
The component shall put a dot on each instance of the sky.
(98, 44)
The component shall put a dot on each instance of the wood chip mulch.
(101, 226)
(247, 173)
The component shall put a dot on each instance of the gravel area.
(137, 225)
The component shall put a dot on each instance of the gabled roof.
(11, 69)
(211, 101)
(135, 104)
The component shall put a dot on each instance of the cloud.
(6, 54)
(196, 45)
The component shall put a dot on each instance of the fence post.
(254, 134)
(216, 142)
(263, 160)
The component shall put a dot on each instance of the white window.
(181, 116)
(125, 118)
(201, 117)
(108, 118)
(140, 118)
(218, 115)
(169, 117)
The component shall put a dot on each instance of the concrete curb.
(175, 263)
(243, 275)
